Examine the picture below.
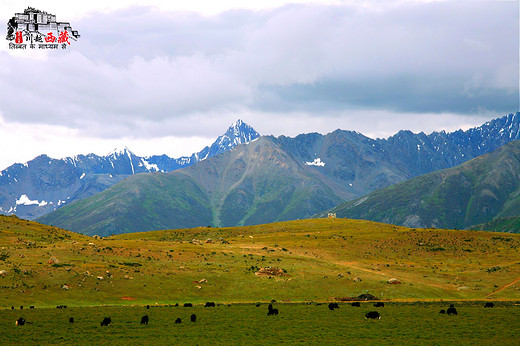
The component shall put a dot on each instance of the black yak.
(178, 320)
(451, 310)
(144, 319)
(372, 315)
(333, 306)
(188, 305)
(71, 320)
(210, 305)
(20, 321)
(442, 311)
(271, 311)
(356, 304)
(106, 321)
(193, 318)
(379, 305)
(489, 305)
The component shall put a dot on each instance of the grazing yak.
(489, 305)
(31, 307)
(20, 321)
(372, 315)
(451, 310)
(333, 306)
(71, 320)
(210, 305)
(144, 319)
(271, 311)
(106, 321)
(178, 320)
(442, 311)
(188, 305)
(356, 304)
(148, 306)
(379, 305)
(193, 318)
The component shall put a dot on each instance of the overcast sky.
(165, 77)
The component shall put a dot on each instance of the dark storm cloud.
(135, 70)
(436, 95)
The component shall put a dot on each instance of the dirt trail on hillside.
(356, 265)
(504, 287)
(353, 265)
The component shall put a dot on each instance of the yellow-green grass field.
(320, 260)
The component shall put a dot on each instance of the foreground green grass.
(401, 323)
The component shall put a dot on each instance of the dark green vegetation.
(247, 324)
(475, 192)
(319, 260)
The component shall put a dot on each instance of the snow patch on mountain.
(316, 162)
(120, 151)
(149, 166)
(24, 200)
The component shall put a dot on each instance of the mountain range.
(275, 179)
(476, 192)
(45, 184)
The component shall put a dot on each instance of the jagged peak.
(238, 123)
(241, 129)
(123, 150)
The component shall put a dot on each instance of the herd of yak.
(270, 312)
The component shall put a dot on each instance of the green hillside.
(243, 186)
(475, 192)
(317, 259)
(509, 224)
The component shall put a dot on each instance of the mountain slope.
(510, 224)
(285, 178)
(44, 184)
(243, 186)
(475, 192)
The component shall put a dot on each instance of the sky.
(168, 77)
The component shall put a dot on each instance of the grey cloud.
(133, 71)
(437, 95)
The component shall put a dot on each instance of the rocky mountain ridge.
(44, 184)
(276, 179)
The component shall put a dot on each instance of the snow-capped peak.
(239, 132)
(237, 125)
(121, 151)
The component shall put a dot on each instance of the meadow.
(401, 323)
(301, 264)
(317, 260)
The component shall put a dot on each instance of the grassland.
(401, 324)
(322, 260)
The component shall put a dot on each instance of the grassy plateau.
(318, 261)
